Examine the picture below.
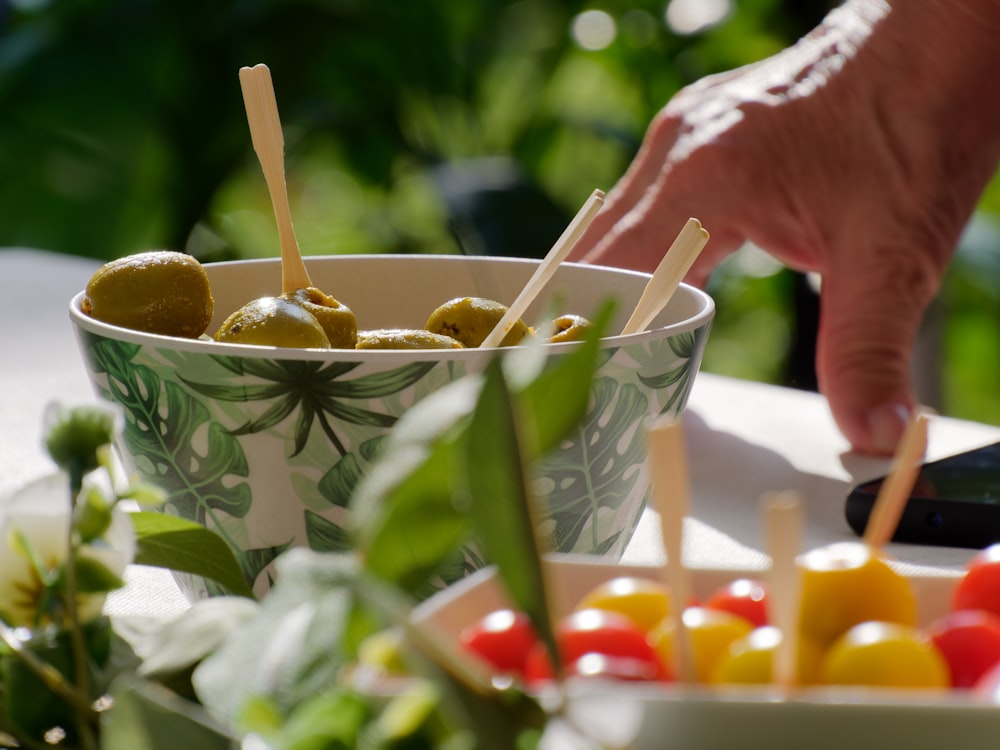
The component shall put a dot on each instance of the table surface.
(743, 439)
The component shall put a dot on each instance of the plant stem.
(84, 716)
(54, 679)
(459, 665)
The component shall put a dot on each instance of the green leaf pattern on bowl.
(337, 485)
(583, 477)
(203, 436)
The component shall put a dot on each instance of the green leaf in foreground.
(177, 544)
(147, 716)
(501, 504)
(515, 430)
(92, 576)
(555, 402)
(286, 673)
(294, 648)
(404, 520)
(410, 512)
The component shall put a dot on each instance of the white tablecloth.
(744, 439)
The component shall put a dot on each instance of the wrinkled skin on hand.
(858, 153)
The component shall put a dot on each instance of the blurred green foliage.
(410, 126)
(123, 125)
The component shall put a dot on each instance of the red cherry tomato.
(744, 597)
(538, 665)
(979, 588)
(503, 639)
(970, 643)
(595, 631)
(987, 688)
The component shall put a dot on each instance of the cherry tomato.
(970, 643)
(885, 654)
(502, 639)
(596, 631)
(750, 660)
(979, 588)
(644, 601)
(710, 632)
(987, 687)
(845, 584)
(744, 597)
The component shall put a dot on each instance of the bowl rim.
(84, 322)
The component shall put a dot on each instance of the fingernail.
(886, 425)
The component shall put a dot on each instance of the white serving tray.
(744, 718)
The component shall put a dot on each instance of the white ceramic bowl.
(265, 444)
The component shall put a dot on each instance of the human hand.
(836, 156)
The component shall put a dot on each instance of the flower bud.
(92, 515)
(74, 435)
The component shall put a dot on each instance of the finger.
(642, 174)
(722, 243)
(681, 192)
(870, 314)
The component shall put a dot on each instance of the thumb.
(869, 316)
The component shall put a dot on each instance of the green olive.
(470, 320)
(337, 319)
(405, 338)
(567, 328)
(161, 291)
(273, 321)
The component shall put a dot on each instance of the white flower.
(40, 515)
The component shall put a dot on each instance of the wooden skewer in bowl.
(668, 275)
(269, 143)
(546, 269)
(898, 484)
(668, 470)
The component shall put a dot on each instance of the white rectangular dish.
(678, 718)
